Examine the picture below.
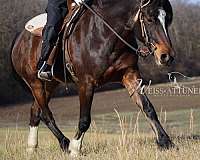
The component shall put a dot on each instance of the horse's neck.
(116, 12)
(116, 8)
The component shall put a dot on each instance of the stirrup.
(45, 72)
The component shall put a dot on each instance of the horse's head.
(152, 22)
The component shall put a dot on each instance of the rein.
(150, 46)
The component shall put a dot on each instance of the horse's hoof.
(73, 154)
(31, 150)
(64, 144)
(165, 144)
(74, 148)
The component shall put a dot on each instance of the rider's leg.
(56, 12)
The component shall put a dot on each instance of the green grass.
(105, 141)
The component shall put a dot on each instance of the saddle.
(62, 69)
(37, 23)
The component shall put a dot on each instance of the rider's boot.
(44, 69)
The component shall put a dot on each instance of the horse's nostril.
(164, 57)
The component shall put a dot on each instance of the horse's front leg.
(131, 81)
(86, 92)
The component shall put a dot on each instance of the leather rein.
(149, 47)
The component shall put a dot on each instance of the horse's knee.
(84, 124)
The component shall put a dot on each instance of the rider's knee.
(57, 9)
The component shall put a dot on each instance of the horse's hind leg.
(42, 92)
(86, 92)
(35, 116)
(34, 123)
(131, 82)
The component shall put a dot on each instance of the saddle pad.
(36, 24)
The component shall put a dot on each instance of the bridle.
(149, 43)
(143, 51)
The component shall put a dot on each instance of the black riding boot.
(44, 69)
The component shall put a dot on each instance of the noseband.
(144, 51)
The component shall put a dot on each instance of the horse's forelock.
(168, 9)
(155, 5)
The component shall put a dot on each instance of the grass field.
(133, 140)
(108, 137)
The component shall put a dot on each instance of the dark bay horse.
(99, 57)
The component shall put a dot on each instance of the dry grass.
(99, 143)
(98, 146)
